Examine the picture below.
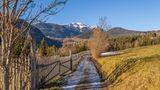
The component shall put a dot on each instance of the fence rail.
(27, 72)
(48, 68)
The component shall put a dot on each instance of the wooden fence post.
(33, 67)
(59, 67)
(71, 66)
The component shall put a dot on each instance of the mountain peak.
(62, 31)
(80, 26)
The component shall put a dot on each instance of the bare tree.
(98, 43)
(16, 18)
(103, 24)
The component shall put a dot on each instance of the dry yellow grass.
(136, 69)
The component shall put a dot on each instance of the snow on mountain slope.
(80, 26)
(62, 31)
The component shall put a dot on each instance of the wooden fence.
(19, 74)
(50, 67)
(29, 73)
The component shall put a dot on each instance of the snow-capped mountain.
(63, 31)
(80, 26)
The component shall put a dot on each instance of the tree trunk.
(33, 68)
(6, 78)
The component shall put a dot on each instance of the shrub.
(75, 46)
(98, 43)
(42, 50)
(45, 50)
(51, 51)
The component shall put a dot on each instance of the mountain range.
(55, 33)
(118, 31)
(113, 32)
(37, 34)
(62, 31)
(79, 30)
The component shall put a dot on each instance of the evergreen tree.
(17, 47)
(42, 48)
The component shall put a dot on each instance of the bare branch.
(13, 11)
(22, 10)
(16, 18)
(103, 24)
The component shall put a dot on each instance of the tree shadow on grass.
(127, 65)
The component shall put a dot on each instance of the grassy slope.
(136, 69)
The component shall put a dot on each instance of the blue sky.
(130, 14)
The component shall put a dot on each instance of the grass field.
(136, 69)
